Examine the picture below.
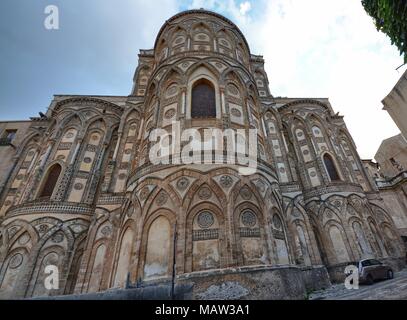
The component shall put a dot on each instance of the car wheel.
(390, 274)
(369, 280)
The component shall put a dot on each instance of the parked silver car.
(371, 270)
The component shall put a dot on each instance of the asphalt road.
(394, 289)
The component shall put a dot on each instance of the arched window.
(51, 181)
(330, 167)
(203, 100)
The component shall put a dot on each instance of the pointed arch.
(331, 167)
(50, 181)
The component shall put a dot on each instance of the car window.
(366, 263)
(375, 262)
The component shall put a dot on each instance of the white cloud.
(245, 7)
(320, 48)
(237, 12)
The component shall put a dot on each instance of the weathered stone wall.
(254, 283)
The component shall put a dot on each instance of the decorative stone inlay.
(106, 231)
(127, 151)
(169, 114)
(24, 239)
(204, 193)
(144, 193)
(296, 213)
(78, 228)
(12, 231)
(379, 215)
(16, 261)
(313, 174)
(30, 154)
(182, 183)
(236, 113)
(226, 181)
(179, 40)
(95, 137)
(282, 170)
(249, 232)
(87, 160)
(329, 214)
(357, 204)
(233, 90)
(219, 65)
(249, 219)
(205, 234)
(20, 177)
(122, 176)
(277, 222)
(185, 65)
(205, 219)
(246, 193)
(61, 157)
(162, 198)
(224, 43)
(171, 91)
(305, 152)
(69, 135)
(299, 134)
(54, 208)
(261, 185)
(7, 203)
(57, 237)
(78, 186)
(43, 228)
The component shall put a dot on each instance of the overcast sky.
(313, 48)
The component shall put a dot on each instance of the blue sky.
(313, 48)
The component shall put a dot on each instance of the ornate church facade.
(79, 189)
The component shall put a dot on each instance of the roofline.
(187, 12)
(14, 121)
(87, 95)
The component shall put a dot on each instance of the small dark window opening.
(330, 167)
(50, 183)
(7, 137)
(10, 134)
(203, 100)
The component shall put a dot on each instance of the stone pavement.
(395, 289)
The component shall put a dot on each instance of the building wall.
(8, 151)
(396, 104)
(392, 156)
(112, 213)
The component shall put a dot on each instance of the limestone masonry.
(78, 189)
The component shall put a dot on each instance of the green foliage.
(390, 17)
